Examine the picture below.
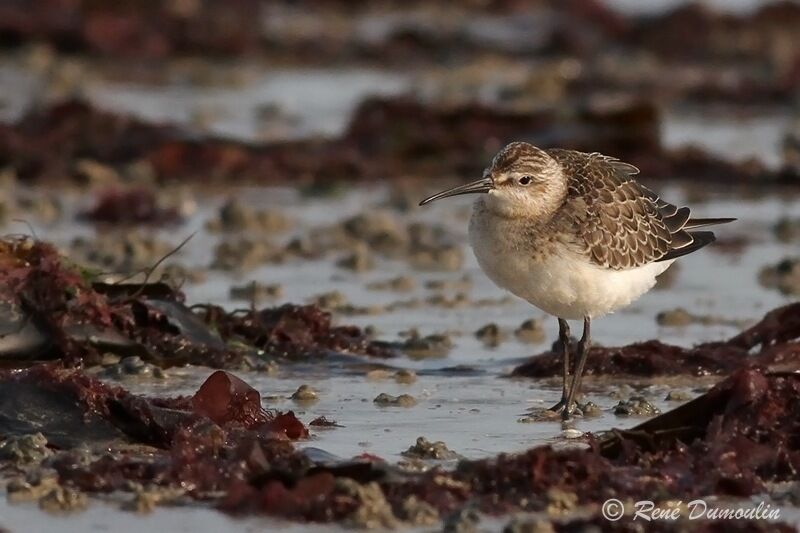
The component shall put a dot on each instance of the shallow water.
(463, 398)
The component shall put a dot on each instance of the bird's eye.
(525, 180)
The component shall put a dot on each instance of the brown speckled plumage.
(620, 223)
(575, 235)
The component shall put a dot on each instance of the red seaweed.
(772, 342)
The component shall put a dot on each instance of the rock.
(462, 284)
(560, 501)
(359, 260)
(678, 396)
(436, 345)
(590, 409)
(464, 520)
(530, 331)
(448, 258)
(35, 484)
(243, 254)
(418, 512)
(25, 449)
(529, 525)
(332, 300)
(235, 216)
(93, 172)
(305, 394)
(425, 449)
(62, 499)
(784, 276)
(636, 406)
(398, 284)
(133, 366)
(373, 511)
(386, 400)
(406, 377)
(147, 499)
(787, 229)
(676, 318)
(256, 292)
(380, 231)
(491, 335)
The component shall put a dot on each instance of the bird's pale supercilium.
(574, 234)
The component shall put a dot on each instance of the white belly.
(565, 284)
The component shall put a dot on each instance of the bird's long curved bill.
(482, 185)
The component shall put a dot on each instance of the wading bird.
(575, 235)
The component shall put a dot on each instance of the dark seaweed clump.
(737, 440)
(772, 343)
(52, 310)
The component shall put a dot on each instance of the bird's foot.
(557, 408)
(561, 407)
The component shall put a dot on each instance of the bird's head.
(522, 181)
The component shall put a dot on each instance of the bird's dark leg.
(583, 353)
(563, 340)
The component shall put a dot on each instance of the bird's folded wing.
(621, 224)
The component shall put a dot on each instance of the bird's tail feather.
(702, 222)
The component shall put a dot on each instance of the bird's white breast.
(550, 275)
